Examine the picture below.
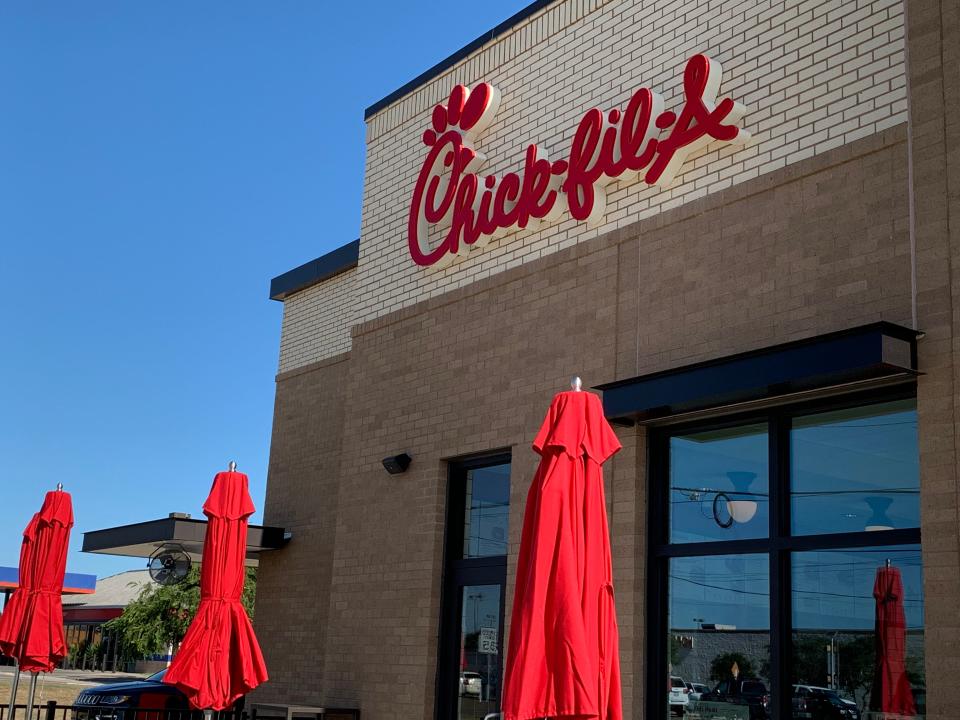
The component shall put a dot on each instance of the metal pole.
(12, 708)
(30, 695)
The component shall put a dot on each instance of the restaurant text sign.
(469, 208)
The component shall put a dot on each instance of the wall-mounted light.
(879, 520)
(396, 464)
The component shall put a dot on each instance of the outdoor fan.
(169, 565)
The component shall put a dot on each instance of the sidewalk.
(75, 677)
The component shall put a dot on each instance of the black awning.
(143, 539)
(869, 352)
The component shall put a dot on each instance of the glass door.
(470, 669)
(478, 691)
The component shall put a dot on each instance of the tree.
(721, 667)
(161, 614)
(810, 659)
(857, 658)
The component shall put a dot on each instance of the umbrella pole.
(30, 695)
(11, 708)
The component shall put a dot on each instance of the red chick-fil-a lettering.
(454, 207)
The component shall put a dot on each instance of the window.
(471, 632)
(785, 564)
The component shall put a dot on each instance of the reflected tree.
(856, 667)
(810, 659)
(721, 668)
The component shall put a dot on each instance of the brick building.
(774, 332)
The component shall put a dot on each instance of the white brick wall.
(814, 74)
(317, 321)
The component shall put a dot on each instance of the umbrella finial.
(231, 466)
(576, 384)
(59, 487)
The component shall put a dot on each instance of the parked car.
(679, 696)
(752, 693)
(471, 683)
(115, 701)
(811, 702)
(696, 690)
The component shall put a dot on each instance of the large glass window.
(855, 469)
(471, 632)
(719, 625)
(718, 484)
(486, 509)
(857, 619)
(786, 581)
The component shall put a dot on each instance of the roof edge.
(456, 57)
(310, 273)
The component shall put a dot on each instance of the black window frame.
(459, 572)
(778, 546)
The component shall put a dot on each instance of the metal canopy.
(143, 539)
(880, 352)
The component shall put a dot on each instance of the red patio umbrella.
(563, 655)
(31, 627)
(891, 691)
(219, 660)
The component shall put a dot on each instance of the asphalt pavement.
(80, 677)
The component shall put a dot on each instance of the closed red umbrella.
(219, 660)
(563, 655)
(891, 691)
(31, 627)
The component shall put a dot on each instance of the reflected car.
(471, 683)
(679, 696)
(811, 702)
(696, 690)
(751, 693)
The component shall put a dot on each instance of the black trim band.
(323, 268)
(459, 55)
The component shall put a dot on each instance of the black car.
(818, 703)
(752, 693)
(116, 701)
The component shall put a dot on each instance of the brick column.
(933, 46)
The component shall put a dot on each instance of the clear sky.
(159, 163)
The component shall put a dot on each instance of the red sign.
(469, 208)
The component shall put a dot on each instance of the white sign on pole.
(488, 641)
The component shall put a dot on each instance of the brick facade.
(474, 370)
(448, 363)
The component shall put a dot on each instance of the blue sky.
(159, 163)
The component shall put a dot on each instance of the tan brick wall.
(934, 47)
(814, 74)
(293, 587)
(317, 321)
(818, 246)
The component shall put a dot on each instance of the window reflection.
(718, 485)
(858, 633)
(856, 469)
(719, 637)
(486, 511)
(479, 681)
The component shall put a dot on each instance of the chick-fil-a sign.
(471, 208)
